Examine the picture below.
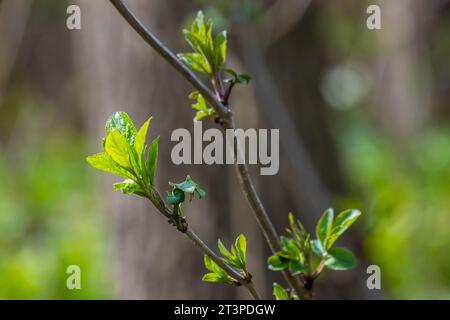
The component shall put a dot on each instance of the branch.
(203, 247)
(227, 123)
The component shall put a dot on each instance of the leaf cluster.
(235, 257)
(297, 249)
(127, 155)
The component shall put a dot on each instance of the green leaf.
(340, 259)
(104, 162)
(220, 49)
(277, 263)
(129, 187)
(341, 224)
(296, 267)
(243, 79)
(196, 62)
(203, 109)
(201, 104)
(318, 248)
(241, 247)
(279, 292)
(217, 273)
(121, 122)
(238, 78)
(324, 226)
(216, 277)
(189, 186)
(139, 143)
(176, 197)
(289, 247)
(224, 251)
(152, 161)
(117, 147)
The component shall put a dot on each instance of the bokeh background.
(364, 118)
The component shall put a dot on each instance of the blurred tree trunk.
(120, 72)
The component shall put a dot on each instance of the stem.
(318, 270)
(260, 213)
(227, 122)
(203, 247)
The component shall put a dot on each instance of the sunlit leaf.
(117, 147)
(121, 122)
(104, 162)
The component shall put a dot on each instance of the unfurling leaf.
(176, 197)
(202, 109)
(277, 262)
(279, 292)
(196, 62)
(238, 78)
(217, 274)
(341, 224)
(237, 256)
(121, 122)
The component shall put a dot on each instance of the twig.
(227, 121)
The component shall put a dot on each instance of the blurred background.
(363, 117)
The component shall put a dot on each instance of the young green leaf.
(340, 259)
(277, 262)
(318, 248)
(341, 224)
(195, 61)
(243, 79)
(102, 161)
(297, 267)
(224, 251)
(152, 161)
(217, 273)
(117, 147)
(238, 78)
(216, 277)
(279, 292)
(176, 197)
(241, 247)
(121, 122)
(129, 187)
(324, 226)
(220, 49)
(139, 143)
(202, 109)
(189, 186)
